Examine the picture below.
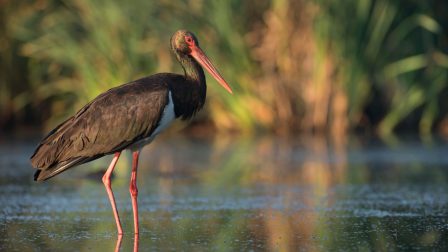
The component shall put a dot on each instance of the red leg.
(133, 189)
(118, 244)
(107, 184)
(135, 242)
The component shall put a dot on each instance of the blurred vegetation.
(296, 66)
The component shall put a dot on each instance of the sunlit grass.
(388, 48)
(306, 66)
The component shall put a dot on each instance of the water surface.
(298, 194)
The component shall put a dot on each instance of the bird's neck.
(193, 71)
(189, 94)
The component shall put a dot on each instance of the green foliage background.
(295, 66)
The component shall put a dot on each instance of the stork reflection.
(120, 239)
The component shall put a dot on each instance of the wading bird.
(128, 117)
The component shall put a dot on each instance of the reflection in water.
(118, 246)
(120, 239)
(136, 238)
(272, 194)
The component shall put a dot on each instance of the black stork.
(129, 116)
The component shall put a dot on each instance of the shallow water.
(236, 194)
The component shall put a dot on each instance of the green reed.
(389, 59)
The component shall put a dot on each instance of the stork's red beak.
(202, 59)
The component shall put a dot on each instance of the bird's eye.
(189, 40)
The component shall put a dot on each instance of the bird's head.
(183, 41)
(185, 44)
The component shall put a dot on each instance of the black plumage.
(127, 117)
(115, 120)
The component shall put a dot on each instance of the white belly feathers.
(168, 117)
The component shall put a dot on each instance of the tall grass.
(308, 65)
(387, 52)
(78, 49)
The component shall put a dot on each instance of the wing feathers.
(109, 123)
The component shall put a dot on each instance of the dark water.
(304, 194)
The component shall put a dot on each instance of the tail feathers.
(46, 173)
(48, 157)
(48, 152)
(44, 157)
